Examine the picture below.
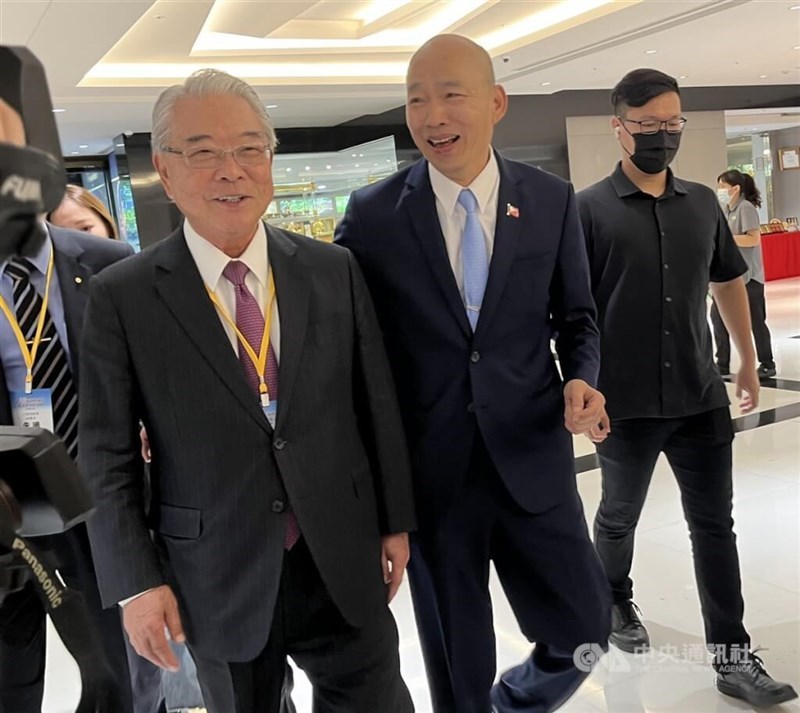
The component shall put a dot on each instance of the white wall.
(593, 150)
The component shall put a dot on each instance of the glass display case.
(312, 190)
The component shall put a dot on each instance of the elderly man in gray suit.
(281, 491)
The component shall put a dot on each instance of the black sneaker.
(766, 371)
(749, 681)
(627, 631)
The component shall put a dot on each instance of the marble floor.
(673, 678)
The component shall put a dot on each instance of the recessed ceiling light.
(75, 153)
(308, 168)
(684, 76)
(288, 169)
(272, 106)
(546, 84)
(356, 165)
(796, 47)
(120, 146)
(762, 76)
(650, 51)
(361, 155)
(58, 111)
(795, 7)
(83, 146)
(328, 167)
(321, 188)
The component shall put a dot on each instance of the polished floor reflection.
(674, 678)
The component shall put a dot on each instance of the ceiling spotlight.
(762, 76)
(795, 7)
(356, 165)
(75, 153)
(308, 168)
(58, 111)
(684, 76)
(321, 188)
(272, 106)
(83, 146)
(288, 169)
(650, 51)
(120, 146)
(328, 167)
(546, 84)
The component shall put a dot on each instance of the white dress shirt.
(452, 216)
(211, 261)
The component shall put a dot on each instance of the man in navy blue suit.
(474, 262)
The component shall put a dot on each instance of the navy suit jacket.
(77, 257)
(502, 380)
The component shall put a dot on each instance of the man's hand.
(584, 408)
(394, 558)
(599, 432)
(147, 618)
(747, 388)
(146, 455)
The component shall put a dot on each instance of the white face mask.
(722, 195)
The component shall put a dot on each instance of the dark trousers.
(23, 633)
(758, 320)
(351, 670)
(699, 451)
(551, 576)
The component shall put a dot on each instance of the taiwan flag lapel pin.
(512, 210)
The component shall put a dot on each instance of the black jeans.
(758, 320)
(699, 450)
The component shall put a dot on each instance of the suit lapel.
(73, 280)
(419, 202)
(179, 284)
(506, 238)
(291, 287)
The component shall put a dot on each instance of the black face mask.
(32, 182)
(654, 152)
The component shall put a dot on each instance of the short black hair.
(639, 86)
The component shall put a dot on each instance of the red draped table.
(781, 255)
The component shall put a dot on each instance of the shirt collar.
(211, 261)
(483, 186)
(41, 260)
(625, 187)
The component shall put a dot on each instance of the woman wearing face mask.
(739, 198)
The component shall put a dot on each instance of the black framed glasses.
(653, 126)
(205, 157)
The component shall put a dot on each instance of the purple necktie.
(250, 323)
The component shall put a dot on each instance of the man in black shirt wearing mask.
(654, 243)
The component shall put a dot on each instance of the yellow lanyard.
(259, 360)
(29, 355)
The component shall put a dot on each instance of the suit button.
(475, 357)
(279, 444)
(278, 506)
(470, 407)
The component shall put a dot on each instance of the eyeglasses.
(652, 126)
(248, 155)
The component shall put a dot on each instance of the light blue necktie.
(473, 257)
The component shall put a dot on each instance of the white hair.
(203, 83)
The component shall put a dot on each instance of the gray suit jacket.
(154, 348)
